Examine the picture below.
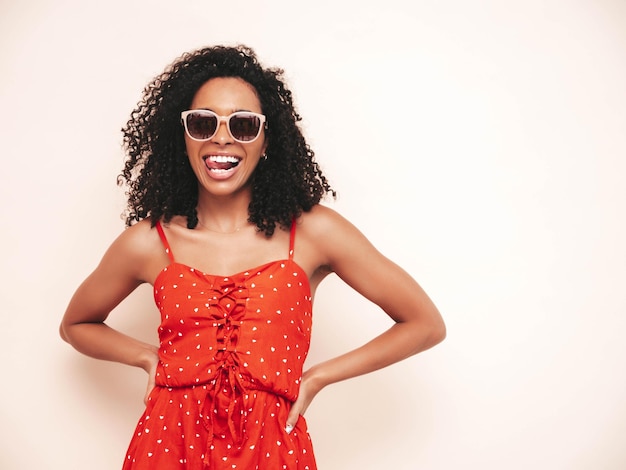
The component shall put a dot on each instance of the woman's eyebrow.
(234, 111)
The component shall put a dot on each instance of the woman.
(221, 181)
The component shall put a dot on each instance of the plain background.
(479, 144)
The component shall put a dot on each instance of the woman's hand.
(152, 362)
(309, 388)
(332, 242)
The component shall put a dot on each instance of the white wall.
(479, 144)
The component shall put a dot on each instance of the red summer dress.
(231, 354)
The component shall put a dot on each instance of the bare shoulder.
(136, 240)
(138, 250)
(313, 226)
(322, 221)
(332, 237)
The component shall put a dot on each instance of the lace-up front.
(230, 363)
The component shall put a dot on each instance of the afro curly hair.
(157, 172)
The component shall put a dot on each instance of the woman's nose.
(222, 135)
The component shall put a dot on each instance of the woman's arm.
(127, 263)
(418, 324)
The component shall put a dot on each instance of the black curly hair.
(157, 172)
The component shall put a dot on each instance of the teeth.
(223, 158)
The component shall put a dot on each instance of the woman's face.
(223, 165)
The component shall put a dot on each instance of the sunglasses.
(202, 124)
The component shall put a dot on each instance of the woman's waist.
(282, 378)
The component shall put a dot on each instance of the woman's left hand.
(308, 390)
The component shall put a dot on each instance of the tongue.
(219, 165)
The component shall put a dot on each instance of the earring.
(264, 157)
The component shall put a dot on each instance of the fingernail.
(288, 429)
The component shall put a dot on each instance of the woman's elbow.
(434, 332)
(438, 332)
(63, 333)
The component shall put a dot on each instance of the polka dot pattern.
(230, 363)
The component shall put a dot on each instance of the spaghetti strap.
(292, 238)
(166, 244)
(212, 321)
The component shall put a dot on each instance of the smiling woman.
(216, 160)
(166, 186)
(231, 152)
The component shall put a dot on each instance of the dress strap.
(164, 241)
(292, 238)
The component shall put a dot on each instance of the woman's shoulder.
(138, 249)
(137, 232)
(319, 217)
(137, 241)
(323, 221)
(329, 233)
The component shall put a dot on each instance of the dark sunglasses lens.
(201, 126)
(244, 127)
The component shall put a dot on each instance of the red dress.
(230, 364)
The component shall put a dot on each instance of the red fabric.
(230, 363)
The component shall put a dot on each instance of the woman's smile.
(222, 164)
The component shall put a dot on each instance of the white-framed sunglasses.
(202, 124)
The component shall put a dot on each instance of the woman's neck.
(223, 215)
